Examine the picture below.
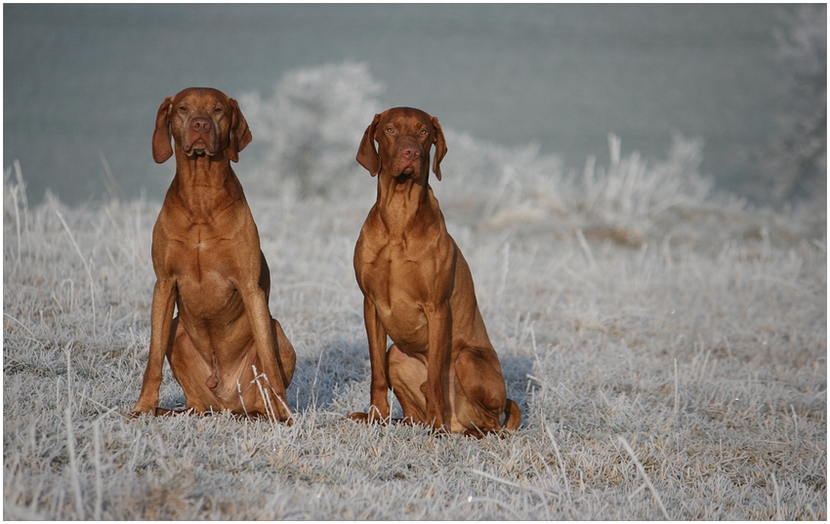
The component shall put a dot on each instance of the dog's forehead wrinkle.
(407, 115)
(199, 99)
(404, 123)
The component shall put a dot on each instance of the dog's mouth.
(198, 145)
(406, 170)
(405, 175)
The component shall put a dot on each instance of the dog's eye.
(390, 129)
(217, 110)
(423, 132)
(183, 109)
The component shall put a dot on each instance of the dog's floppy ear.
(367, 155)
(240, 134)
(162, 149)
(440, 148)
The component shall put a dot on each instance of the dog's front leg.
(256, 306)
(161, 322)
(376, 334)
(439, 323)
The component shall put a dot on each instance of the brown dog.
(418, 290)
(208, 263)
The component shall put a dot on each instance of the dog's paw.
(359, 417)
(142, 408)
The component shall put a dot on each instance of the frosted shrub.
(516, 185)
(500, 177)
(795, 163)
(308, 131)
(631, 188)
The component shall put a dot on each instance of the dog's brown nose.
(411, 152)
(200, 125)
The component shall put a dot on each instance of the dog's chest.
(394, 279)
(202, 263)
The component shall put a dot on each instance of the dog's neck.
(402, 201)
(205, 185)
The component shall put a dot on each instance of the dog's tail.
(512, 415)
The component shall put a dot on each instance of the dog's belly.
(212, 312)
(224, 370)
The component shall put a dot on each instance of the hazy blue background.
(79, 79)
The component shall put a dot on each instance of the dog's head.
(404, 136)
(201, 121)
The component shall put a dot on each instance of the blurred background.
(747, 83)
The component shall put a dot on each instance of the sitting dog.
(419, 291)
(224, 349)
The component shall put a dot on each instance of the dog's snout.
(200, 125)
(410, 151)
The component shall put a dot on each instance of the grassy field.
(667, 347)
